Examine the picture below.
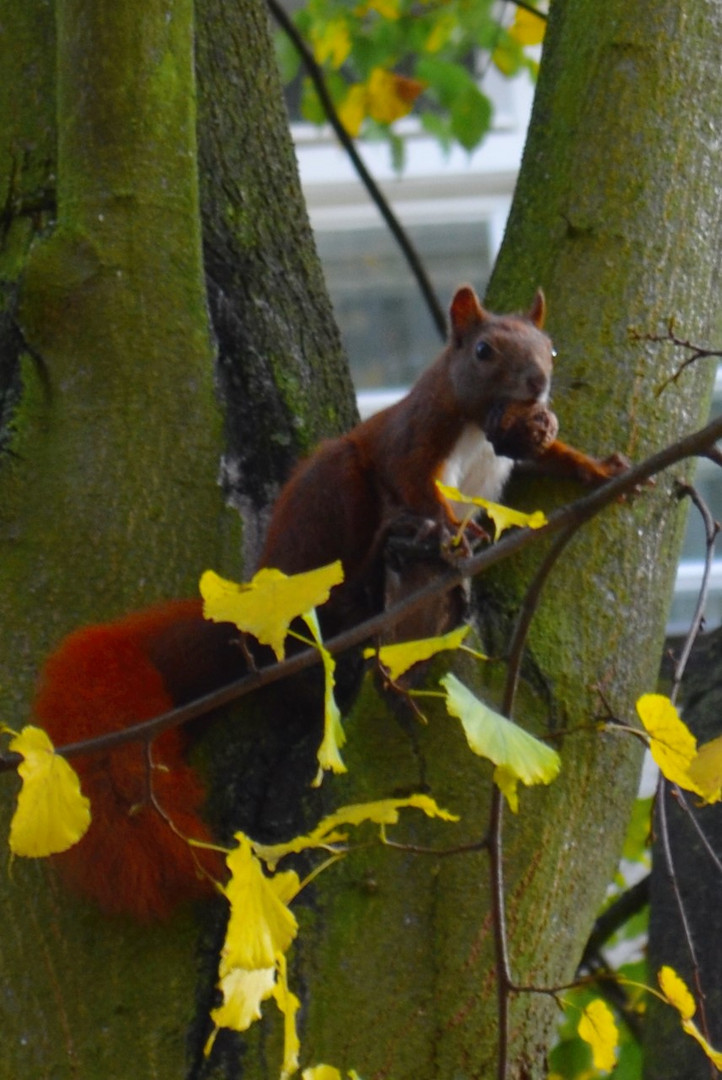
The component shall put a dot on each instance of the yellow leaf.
(502, 516)
(391, 96)
(289, 1005)
(671, 743)
(260, 925)
(597, 1028)
(505, 59)
(705, 770)
(321, 1072)
(388, 9)
(528, 28)
(266, 606)
(334, 737)
(676, 992)
(331, 41)
(383, 812)
(715, 1056)
(508, 782)
(243, 992)
(380, 812)
(444, 26)
(397, 659)
(492, 736)
(352, 110)
(52, 814)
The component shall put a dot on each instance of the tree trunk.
(112, 434)
(108, 489)
(617, 214)
(284, 380)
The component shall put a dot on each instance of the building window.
(387, 329)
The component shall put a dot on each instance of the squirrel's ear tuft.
(538, 311)
(466, 312)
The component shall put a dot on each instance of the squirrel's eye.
(484, 350)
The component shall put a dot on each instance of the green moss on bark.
(108, 498)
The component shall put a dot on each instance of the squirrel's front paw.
(412, 537)
(615, 465)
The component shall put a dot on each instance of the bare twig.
(528, 608)
(683, 804)
(711, 529)
(394, 225)
(661, 806)
(530, 8)
(504, 980)
(629, 903)
(698, 352)
(419, 849)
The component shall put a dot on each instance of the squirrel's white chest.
(473, 466)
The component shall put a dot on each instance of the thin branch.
(498, 915)
(711, 529)
(698, 352)
(573, 514)
(663, 789)
(528, 608)
(505, 982)
(629, 903)
(525, 6)
(611, 989)
(394, 225)
(683, 803)
(419, 849)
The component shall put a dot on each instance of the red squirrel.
(453, 425)
(339, 504)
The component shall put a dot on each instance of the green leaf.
(447, 80)
(438, 126)
(516, 753)
(508, 56)
(287, 57)
(471, 116)
(636, 843)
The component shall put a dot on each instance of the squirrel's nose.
(537, 385)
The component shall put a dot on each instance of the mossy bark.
(283, 376)
(617, 215)
(111, 432)
(108, 493)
